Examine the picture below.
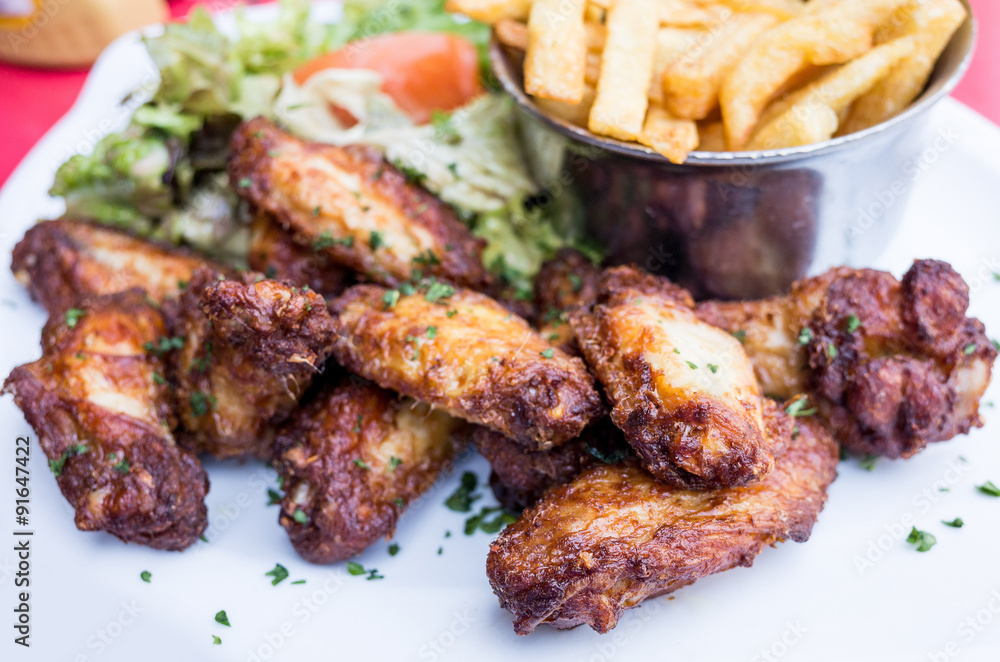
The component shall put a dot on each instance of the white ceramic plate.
(856, 591)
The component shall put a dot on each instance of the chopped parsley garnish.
(73, 316)
(427, 258)
(390, 299)
(576, 282)
(740, 335)
(145, 576)
(451, 313)
(800, 407)
(399, 502)
(203, 538)
(922, 539)
(222, 619)
(278, 574)
(483, 522)
(121, 467)
(831, 351)
(548, 353)
(432, 332)
(394, 462)
(805, 335)
(201, 403)
(868, 462)
(440, 551)
(273, 497)
(438, 291)
(714, 368)
(158, 379)
(461, 499)
(299, 516)
(317, 210)
(444, 128)
(393, 549)
(989, 488)
(970, 348)
(299, 581)
(996, 344)
(327, 240)
(245, 182)
(412, 175)
(165, 345)
(216, 641)
(57, 465)
(361, 464)
(956, 523)
(853, 323)
(375, 240)
(691, 365)
(355, 568)
(676, 351)
(373, 574)
(357, 424)
(553, 337)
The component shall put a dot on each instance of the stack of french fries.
(722, 75)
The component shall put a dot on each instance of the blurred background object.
(34, 99)
(69, 33)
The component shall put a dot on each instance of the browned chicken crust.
(566, 282)
(520, 477)
(468, 354)
(249, 349)
(355, 206)
(275, 253)
(615, 536)
(61, 262)
(891, 365)
(682, 391)
(97, 402)
(352, 460)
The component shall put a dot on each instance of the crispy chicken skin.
(615, 536)
(97, 402)
(567, 281)
(520, 477)
(352, 460)
(468, 354)
(352, 204)
(274, 252)
(891, 365)
(683, 392)
(251, 348)
(61, 262)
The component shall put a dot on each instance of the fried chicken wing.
(61, 262)
(683, 392)
(353, 205)
(463, 351)
(274, 252)
(246, 352)
(97, 401)
(891, 365)
(520, 477)
(615, 536)
(352, 460)
(567, 281)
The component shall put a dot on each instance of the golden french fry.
(931, 23)
(671, 43)
(678, 13)
(555, 59)
(515, 34)
(836, 33)
(490, 11)
(782, 9)
(626, 70)
(573, 113)
(711, 137)
(672, 137)
(812, 113)
(691, 83)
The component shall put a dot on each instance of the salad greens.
(164, 175)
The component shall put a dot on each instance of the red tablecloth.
(31, 101)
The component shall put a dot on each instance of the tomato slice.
(421, 71)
